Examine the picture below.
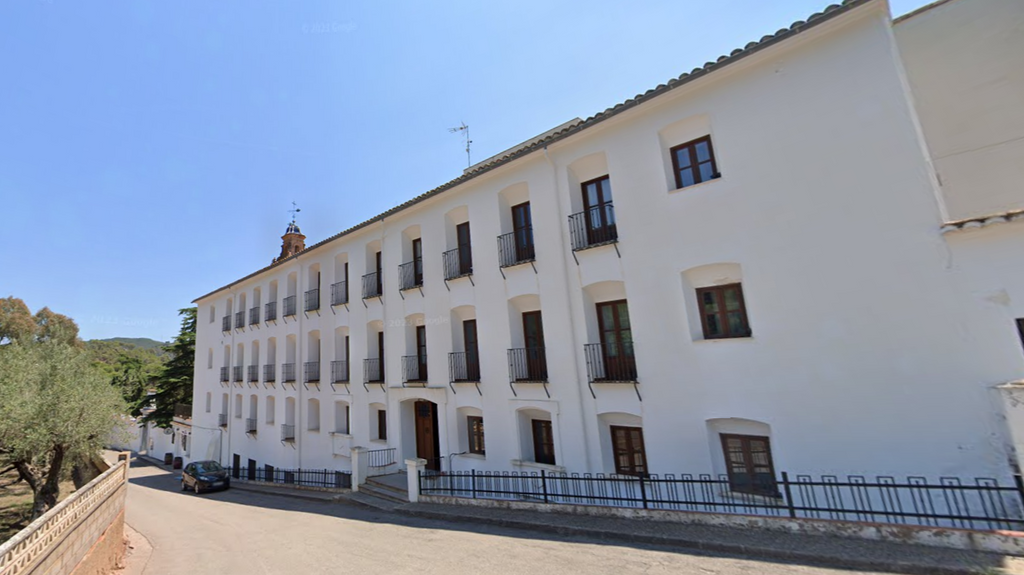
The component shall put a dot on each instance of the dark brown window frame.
(694, 164)
(540, 447)
(719, 292)
(772, 491)
(632, 469)
(476, 434)
(382, 424)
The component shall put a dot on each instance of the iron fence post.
(544, 484)
(472, 481)
(451, 483)
(789, 495)
(1019, 482)
(643, 491)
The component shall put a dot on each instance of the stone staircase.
(385, 492)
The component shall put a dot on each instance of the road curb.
(715, 547)
(236, 484)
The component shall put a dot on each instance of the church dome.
(292, 229)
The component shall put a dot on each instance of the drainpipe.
(569, 309)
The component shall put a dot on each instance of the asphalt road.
(244, 533)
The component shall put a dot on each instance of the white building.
(776, 279)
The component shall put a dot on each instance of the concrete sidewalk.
(807, 549)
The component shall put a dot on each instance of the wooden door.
(465, 249)
(380, 276)
(533, 336)
(236, 465)
(380, 354)
(472, 350)
(597, 209)
(421, 353)
(522, 225)
(616, 341)
(427, 446)
(417, 261)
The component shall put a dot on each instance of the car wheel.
(195, 487)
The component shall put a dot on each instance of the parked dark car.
(204, 476)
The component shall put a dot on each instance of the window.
(694, 162)
(382, 424)
(213, 313)
(722, 311)
(543, 442)
(238, 406)
(597, 211)
(465, 249)
(313, 423)
(341, 414)
(209, 401)
(476, 434)
(748, 460)
(628, 448)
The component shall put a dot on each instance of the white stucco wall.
(869, 353)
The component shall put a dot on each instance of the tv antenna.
(295, 209)
(465, 132)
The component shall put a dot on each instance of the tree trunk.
(45, 485)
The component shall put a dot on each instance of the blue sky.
(150, 150)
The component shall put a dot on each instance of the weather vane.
(295, 209)
(465, 129)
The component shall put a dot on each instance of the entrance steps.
(391, 489)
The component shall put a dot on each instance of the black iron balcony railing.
(287, 432)
(182, 411)
(222, 420)
(289, 306)
(593, 227)
(372, 285)
(527, 364)
(225, 323)
(311, 372)
(312, 300)
(373, 370)
(254, 315)
(414, 368)
(339, 293)
(410, 274)
(240, 319)
(463, 366)
(457, 263)
(270, 311)
(254, 374)
(250, 425)
(610, 362)
(288, 372)
(339, 371)
(381, 457)
(237, 373)
(268, 373)
(516, 247)
(225, 374)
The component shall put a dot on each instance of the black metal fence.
(288, 372)
(254, 373)
(328, 478)
(593, 227)
(410, 274)
(339, 293)
(463, 366)
(225, 374)
(311, 372)
(339, 371)
(610, 363)
(289, 305)
(373, 285)
(225, 323)
(287, 432)
(981, 503)
(373, 370)
(240, 319)
(268, 373)
(222, 419)
(254, 315)
(250, 425)
(236, 372)
(270, 311)
(516, 247)
(312, 300)
(457, 263)
(381, 457)
(527, 364)
(414, 368)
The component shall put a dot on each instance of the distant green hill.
(143, 342)
(107, 354)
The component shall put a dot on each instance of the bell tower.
(292, 242)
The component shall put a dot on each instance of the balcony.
(254, 374)
(312, 300)
(615, 363)
(373, 370)
(289, 306)
(254, 315)
(339, 293)
(410, 274)
(222, 420)
(240, 320)
(250, 425)
(288, 372)
(516, 248)
(270, 311)
(237, 372)
(287, 432)
(225, 323)
(414, 369)
(268, 373)
(593, 227)
(339, 371)
(527, 365)
(457, 263)
(373, 286)
(311, 372)
(463, 367)
(225, 374)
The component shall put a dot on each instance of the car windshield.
(208, 467)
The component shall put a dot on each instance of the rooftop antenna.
(295, 209)
(465, 130)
